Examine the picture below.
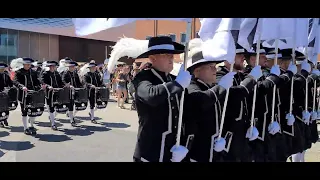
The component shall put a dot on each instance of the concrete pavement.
(112, 140)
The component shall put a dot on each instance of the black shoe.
(73, 123)
(5, 122)
(54, 127)
(33, 130)
(27, 132)
(94, 121)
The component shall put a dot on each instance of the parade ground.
(112, 140)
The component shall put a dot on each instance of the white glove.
(178, 153)
(274, 128)
(314, 115)
(292, 68)
(290, 119)
(306, 116)
(219, 144)
(93, 86)
(256, 72)
(306, 66)
(71, 87)
(275, 70)
(227, 80)
(50, 87)
(184, 77)
(252, 133)
(318, 112)
(316, 72)
(25, 89)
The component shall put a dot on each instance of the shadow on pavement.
(52, 137)
(16, 145)
(114, 125)
(16, 129)
(67, 121)
(78, 132)
(4, 134)
(86, 118)
(95, 128)
(48, 124)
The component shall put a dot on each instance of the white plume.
(194, 47)
(62, 66)
(44, 66)
(176, 68)
(83, 70)
(16, 64)
(126, 47)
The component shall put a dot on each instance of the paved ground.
(112, 140)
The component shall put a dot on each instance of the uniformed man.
(202, 107)
(92, 80)
(157, 102)
(301, 126)
(237, 122)
(265, 84)
(71, 77)
(280, 142)
(51, 79)
(5, 82)
(25, 79)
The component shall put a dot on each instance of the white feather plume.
(16, 64)
(194, 47)
(44, 66)
(83, 70)
(176, 69)
(62, 66)
(126, 47)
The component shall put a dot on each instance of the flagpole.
(188, 36)
(293, 62)
(275, 86)
(255, 87)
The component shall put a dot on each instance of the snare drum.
(13, 98)
(4, 108)
(61, 99)
(34, 103)
(102, 97)
(80, 99)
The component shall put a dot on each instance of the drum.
(4, 108)
(34, 103)
(80, 98)
(102, 97)
(13, 98)
(61, 99)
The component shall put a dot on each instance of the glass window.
(12, 44)
(183, 38)
(3, 45)
(173, 37)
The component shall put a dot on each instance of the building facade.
(54, 43)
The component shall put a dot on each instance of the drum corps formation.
(36, 86)
(181, 107)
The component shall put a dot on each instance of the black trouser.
(92, 96)
(50, 101)
(71, 105)
(23, 110)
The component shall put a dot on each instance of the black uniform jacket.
(157, 101)
(313, 79)
(237, 118)
(28, 79)
(52, 79)
(201, 116)
(93, 79)
(5, 81)
(265, 85)
(72, 78)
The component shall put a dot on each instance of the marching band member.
(37, 67)
(5, 81)
(202, 107)
(157, 103)
(280, 143)
(51, 79)
(71, 77)
(92, 80)
(237, 119)
(25, 79)
(301, 127)
(265, 84)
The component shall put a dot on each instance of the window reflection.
(8, 45)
